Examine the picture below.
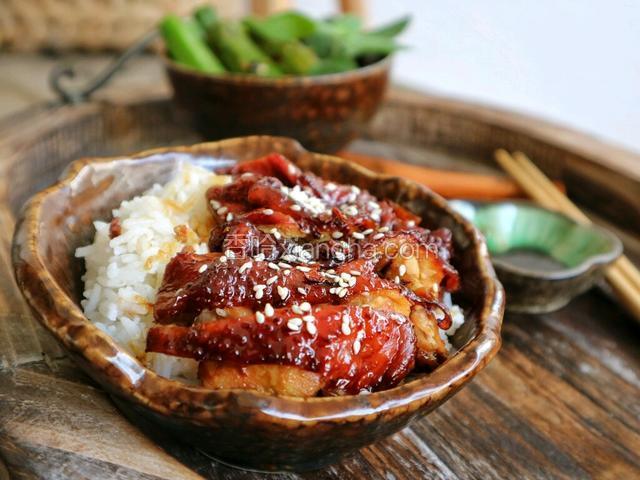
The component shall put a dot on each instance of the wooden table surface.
(560, 400)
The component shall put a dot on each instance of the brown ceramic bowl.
(241, 427)
(323, 112)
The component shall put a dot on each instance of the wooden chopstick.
(622, 275)
(570, 209)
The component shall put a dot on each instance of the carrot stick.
(449, 184)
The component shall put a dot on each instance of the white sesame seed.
(355, 189)
(368, 231)
(378, 236)
(287, 272)
(337, 235)
(383, 229)
(350, 210)
(330, 186)
(309, 318)
(352, 281)
(289, 258)
(275, 233)
(357, 235)
(297, 309)
(229, 216)
(296, 208)
(230, 254)
(333, 290)
(373, 205)
(402, 269)
(356, 346)
(397, 279)
(303, 269)
(283, 292)
(259, 258)
(268, 310)
(272, 280)
(267, 211)
(345, 276)
(294, 323)
(302, 291)
(342, 293)
(273, 266)
(311, 328)
(354, 272)
(331, 270)
(215, 204)
(346, 329)
(284, 265)
(305, 306)
(222, 210)
(221, 312)
(223, 259)
(259, 317)
(203, 268)
(339, 256)
(411, 223)
(259, 290)
(245, 266)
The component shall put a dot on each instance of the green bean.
(298, 58)
(281, 27)
(333, 65)
(239, 53)
(186, 48)
(206, 17)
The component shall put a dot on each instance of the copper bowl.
(323, 112)
(240, 427)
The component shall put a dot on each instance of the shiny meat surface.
(352, 348)
(286, 241)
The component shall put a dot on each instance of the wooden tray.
(561, 399)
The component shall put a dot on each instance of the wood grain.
(561, 399)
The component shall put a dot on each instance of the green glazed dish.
(543, 258)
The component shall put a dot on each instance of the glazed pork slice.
(195, 283)
(351, 348)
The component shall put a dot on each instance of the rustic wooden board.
(561, 399)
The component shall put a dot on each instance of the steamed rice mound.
(123, 274)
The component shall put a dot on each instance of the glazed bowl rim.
(128, 377)
(592, 261)
(326, 79)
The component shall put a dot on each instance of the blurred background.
(573, 62)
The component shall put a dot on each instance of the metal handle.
(74, 96)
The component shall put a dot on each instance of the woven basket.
(92, 25)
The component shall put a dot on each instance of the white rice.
(123, 274)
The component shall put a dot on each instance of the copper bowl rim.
(328, 79)
(127, 377)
